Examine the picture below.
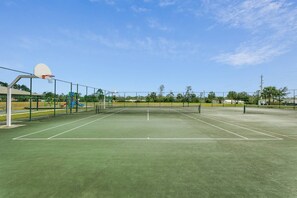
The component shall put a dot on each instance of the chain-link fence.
(209, 99)
(34, 98)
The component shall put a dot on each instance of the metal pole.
(94, 97)
(294, 100)
(86, 98)
(223, 99)
(71, 98)
(37, 103)
(76, 108)
(8, 115)
(30, 114)
(9, 89)
(55, 93)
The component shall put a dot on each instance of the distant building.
(15, 92)
(233, 102)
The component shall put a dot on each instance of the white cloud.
(157, 46)
(165, 3)
(109, 2)
(34, 43)
(139, 9)
(272, 25)
(154, 24)
(249, 56)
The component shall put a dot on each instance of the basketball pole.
(9, 91)
(40, 71)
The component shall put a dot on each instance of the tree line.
(269, 95)
(16, 86)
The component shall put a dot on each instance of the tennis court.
(151, 123)
(153, 152)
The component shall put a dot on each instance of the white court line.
(27, 112)
(54, 127)
(215, 126)
(148, 139)
(287, 136)
(252, 130)
(84, 124)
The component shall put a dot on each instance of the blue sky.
(137, 45)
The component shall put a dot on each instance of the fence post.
(86, 98)
(294, 99)
(71, 98)
(30, 114)
(55, 94)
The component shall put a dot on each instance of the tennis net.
(152, 110)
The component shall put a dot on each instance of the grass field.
(152, 152)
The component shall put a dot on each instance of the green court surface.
(153, 152)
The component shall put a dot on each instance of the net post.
(244, 109)
(199, 108)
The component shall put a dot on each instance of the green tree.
(100, 94)
(232, 95)
(281, 93)
(210, 97)
(3, 84)
(48, 95)
(188, 94)
(161, 90)
(170, 97)
(180, 97)
(152, 97)
(220, 99)
(243, 96)
(269, 93)
(24, 88)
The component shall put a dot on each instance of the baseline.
(148, 139)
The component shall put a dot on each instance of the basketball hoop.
(48, 77)
(42, 71)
